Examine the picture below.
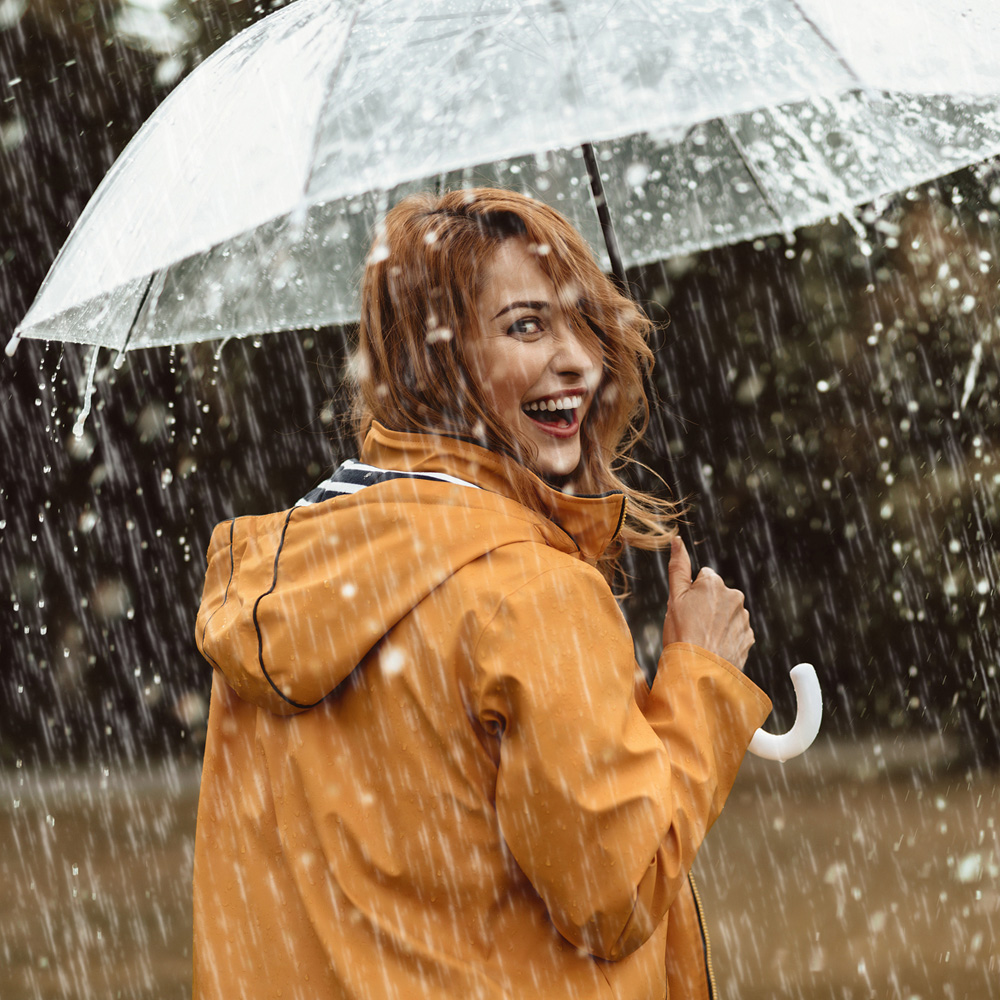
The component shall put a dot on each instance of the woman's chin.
(556, 458)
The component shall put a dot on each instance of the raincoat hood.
(325, 581)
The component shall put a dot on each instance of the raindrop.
(88, 395)
(80, 447)
(636, 174)
(12, 134)
(11, 12)
(168, 71)
(110, 599)
(392, 660)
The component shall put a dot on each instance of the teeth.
(551, 405)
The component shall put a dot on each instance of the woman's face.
(537, 373)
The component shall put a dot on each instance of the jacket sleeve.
(604, 805)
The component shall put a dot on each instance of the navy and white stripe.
(354, 476)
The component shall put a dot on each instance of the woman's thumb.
(679, 570)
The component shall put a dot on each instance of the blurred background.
(829, 403)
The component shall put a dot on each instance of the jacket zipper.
(713, 993)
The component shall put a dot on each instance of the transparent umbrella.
(245, 203)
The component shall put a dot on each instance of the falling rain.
(827, 409)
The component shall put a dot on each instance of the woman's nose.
(572, 355)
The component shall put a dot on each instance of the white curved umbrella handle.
(808, 713)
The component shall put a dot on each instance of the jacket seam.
(621, 520)
(256, 622)
(506, 597)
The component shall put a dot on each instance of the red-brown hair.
(418, 306)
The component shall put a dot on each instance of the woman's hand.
(705, 612)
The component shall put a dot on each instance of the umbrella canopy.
(245, 203)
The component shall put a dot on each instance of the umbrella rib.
(752, 170)
(326, 98)
(511, 15)
(607, 14)
(837, 54)
(558, 8)
(135, 318)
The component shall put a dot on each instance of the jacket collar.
(592, 522)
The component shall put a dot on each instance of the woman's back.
(460, 816)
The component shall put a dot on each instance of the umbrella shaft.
(604, 217)
(618, 276)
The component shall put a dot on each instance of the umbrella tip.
(12, 344)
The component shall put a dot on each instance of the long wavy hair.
(419, 294)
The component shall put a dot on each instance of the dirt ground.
(867, 870)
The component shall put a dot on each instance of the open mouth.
(555, 415)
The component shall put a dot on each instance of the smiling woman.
(479, 308)
(433, 768)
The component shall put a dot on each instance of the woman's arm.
(604, 807)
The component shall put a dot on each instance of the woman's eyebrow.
(522, 305)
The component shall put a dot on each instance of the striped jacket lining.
(354, 476)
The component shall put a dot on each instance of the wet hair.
(419, 293)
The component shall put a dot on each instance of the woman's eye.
(527, 327)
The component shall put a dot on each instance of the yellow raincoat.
(433, 769)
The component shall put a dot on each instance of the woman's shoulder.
(537, 574)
